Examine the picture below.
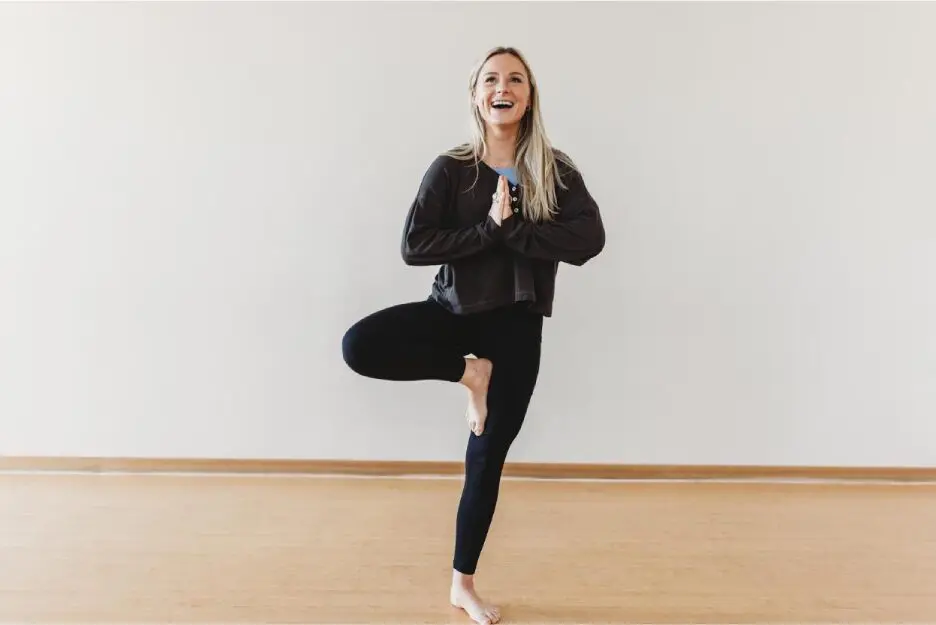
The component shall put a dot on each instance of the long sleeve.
(425, 240)
(575, 235)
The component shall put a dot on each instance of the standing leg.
(512, 340)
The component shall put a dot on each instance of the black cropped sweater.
(483, 265)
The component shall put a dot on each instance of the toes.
(476, 426)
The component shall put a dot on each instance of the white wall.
(198, 199)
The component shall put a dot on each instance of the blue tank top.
(509, 172)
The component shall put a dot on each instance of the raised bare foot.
(477, 378)
(464, 596)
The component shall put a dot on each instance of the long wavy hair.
(536, 159)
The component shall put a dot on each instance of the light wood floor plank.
(212, 549)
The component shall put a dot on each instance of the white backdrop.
(198, 199)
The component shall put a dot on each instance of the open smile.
(502, 104)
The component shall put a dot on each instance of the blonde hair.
(536, 160)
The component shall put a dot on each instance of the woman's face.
(502, 93)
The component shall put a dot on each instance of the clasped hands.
(500, 204)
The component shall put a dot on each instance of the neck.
(502, 146)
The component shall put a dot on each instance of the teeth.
(501, 103)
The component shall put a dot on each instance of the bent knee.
(354, 350)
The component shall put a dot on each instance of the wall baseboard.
(430, 468)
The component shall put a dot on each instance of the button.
(514, 199)
(516, 210)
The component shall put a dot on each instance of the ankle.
(461, 580)
(470, 376)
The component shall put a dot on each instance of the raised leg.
(407, 342)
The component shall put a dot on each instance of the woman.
(498, 215)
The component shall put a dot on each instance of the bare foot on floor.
(467, 599)
(477, 378)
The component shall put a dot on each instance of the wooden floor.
(221, 549)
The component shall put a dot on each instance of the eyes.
(490, 80)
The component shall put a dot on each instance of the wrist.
(493, 227)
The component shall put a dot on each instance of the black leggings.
(423, 341)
